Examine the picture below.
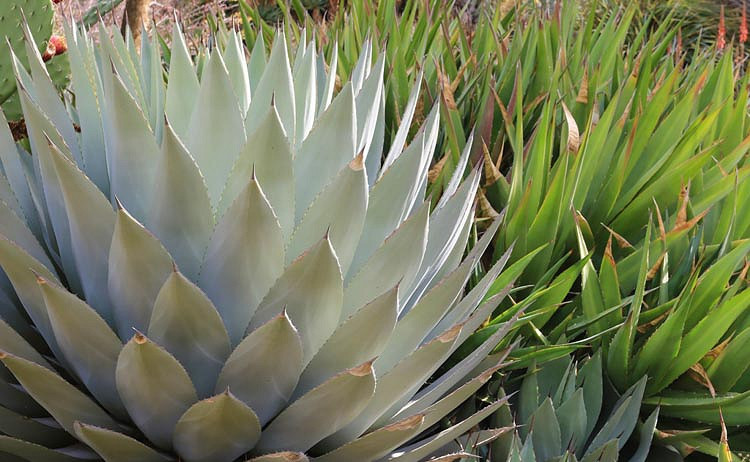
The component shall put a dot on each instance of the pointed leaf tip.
(451, 334)
(358, 163)
(363, 369)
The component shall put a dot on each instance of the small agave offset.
(222, 268)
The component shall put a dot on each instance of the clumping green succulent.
(224, 267)
(560, 417)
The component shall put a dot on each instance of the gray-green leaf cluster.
(223, 266)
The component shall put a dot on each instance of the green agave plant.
(560, 416)
(224, 267)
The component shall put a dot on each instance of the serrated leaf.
(186, 323)
(116, 447)
(397, 385)
(339, 210)
(396, 261)
(154, 387)
(29, 451)
(234, 58)
(573, 421)
(377, 443)
(62, 400)
(183, 88)
(272, 352)
(330, 145)
(361, 337)
(131, 171)
(15, 229)
(180, 211)
(285, 456)
(393, 196)
(310, 290)
(421, 449)
(45, 432)
(244, 258)
(320, 412)
(268, 154)
(92, 221)
(276, 84)
(138, 266)
(93, 355)
(545, 432)
(704, 336)
(11, 342)
(216, 132)
(217, 428)
(20, 268)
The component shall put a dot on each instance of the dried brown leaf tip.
(451, 334)
(358, 163)
(574, 136)
(437, 169)
(363, 369)
(409, 423)
(283, 457)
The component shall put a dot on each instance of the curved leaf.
(180, 212)
(29, 451)
(13, 343)
(378, 443)
(320, 412)
(92, 221)
(131, 171)
(422, 449)
(395, 262)
(364, 335)
(22, 270)
(329, 147)
(45, 432)
(340, 209)
(244, 259)
(402, 381)
(186, 324)
(311, 292)
(221, 428)
(87, 342)
(154, 387)
(138, 267)
(17, 231)
(276, 84)
(268, 154)
(116, 447)
(273, 355)
(62, 400)
(281, 457)
(216, 132)
(183, 88)
(394, 195)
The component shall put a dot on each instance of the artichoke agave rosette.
(223, 265)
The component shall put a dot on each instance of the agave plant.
(560, 416)
(224, 266)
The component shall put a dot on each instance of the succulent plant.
(39, 15)
(559, 413)
(224, 266)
